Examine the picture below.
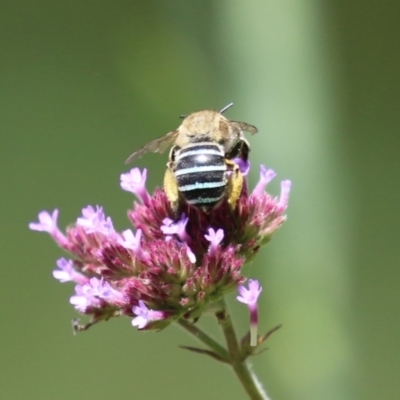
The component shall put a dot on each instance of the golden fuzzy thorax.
(210, 124)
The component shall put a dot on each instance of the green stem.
(205, 339)
(247, 378)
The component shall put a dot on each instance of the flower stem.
(205, 339)
(247, 378)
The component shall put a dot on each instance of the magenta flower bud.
(250, 296)
(135, 182)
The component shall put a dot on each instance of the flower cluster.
(172, 266)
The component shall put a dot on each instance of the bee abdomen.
(201, 174)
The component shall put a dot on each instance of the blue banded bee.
(201, 169)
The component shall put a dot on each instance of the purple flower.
(82, 300)
(134, 181)
(244, 166)
(215, 238)
(266, 176)
(131, 241)
(67, 273)
(178, 265)
(144, 315)
(103, 290)
(250, 296)
(48, 223)
(91, 293)
(170, 227)
(284, 196)
(94, 221)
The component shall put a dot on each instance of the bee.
(201, 169)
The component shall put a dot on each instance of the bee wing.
(155, 146)
(245, 127)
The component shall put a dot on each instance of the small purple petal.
(144, 315)
(101, 289)
(284, 196)
(191, 255)
(94, 221)
(67, 273)
(91, 293)
(80, 303)
(266, 176)
(64, 274)
(171, 227)
(244, 166)
(249, 296)
(83, 299)
(167, 223)
(47, 222)
(131, 241)
(135, 182)
(215, 238)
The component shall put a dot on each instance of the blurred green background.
(84, 83)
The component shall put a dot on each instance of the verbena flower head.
(169, 266)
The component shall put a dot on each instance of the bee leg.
(171, 188)
(235, 184)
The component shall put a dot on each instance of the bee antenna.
(227, 107)
(182, 116)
